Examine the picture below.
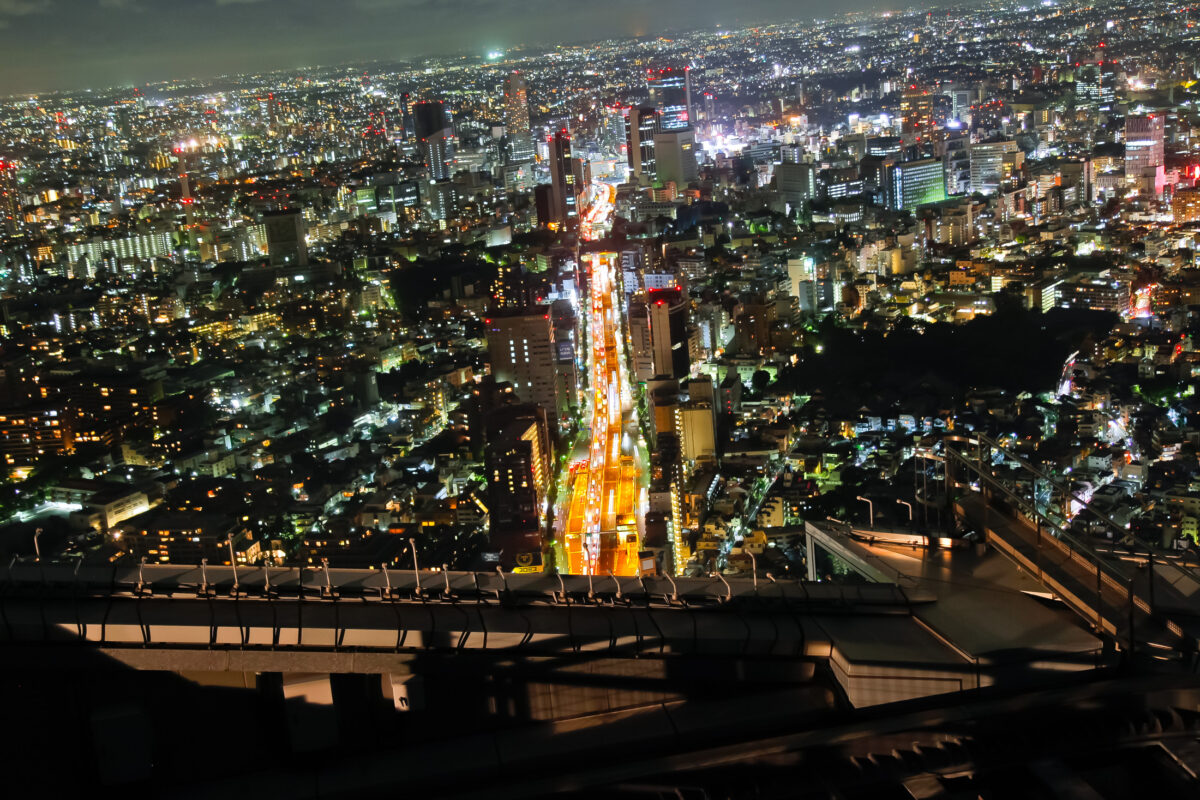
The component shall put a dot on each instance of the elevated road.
(600, 536)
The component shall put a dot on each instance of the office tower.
(522, 352)
(1144, 153)
(405, 123)
(671, 93)
(641, 349)
(519, 465)
(993, 163)
(440, 199)
(1185, 205)
(915, 183)
(10, 201)
(613, 128)
(564, 190)
(1077, 180)
(954, 148)
(960, 104)
(885, 146)
(640, 127)
(916, 110)
(286, 245)
(516, 118)
(696, 426)
(433, 132)
(675, 156)
(797, 182)
(1097, 83)
(668, 312)
(267, 111)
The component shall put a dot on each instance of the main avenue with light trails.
(601, 513)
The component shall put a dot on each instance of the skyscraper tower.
(406, 120)
(433, 136)
(521, 350)
(564, 190)
(1144, 149)
(916, 110)
(10, 204)
(516, 118)
(671, 92)
(640, 127)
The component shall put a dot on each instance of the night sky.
(73, 44)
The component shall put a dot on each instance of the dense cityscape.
(671, 307)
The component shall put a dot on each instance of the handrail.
(185, 582)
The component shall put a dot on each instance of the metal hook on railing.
(233, 563)
(562, 588)
(327, 590)
(267, 579)
(674, 588)
(141, 581)
(503, 580)
(387, 579)
(204, 576)
(416, 568)
(446, 575)
(728, 588)
(617, 582)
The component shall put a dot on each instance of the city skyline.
(78, 45)
(800, 410)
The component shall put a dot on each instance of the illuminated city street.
(602, 505)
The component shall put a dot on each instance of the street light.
(907, 505)
(870, 508)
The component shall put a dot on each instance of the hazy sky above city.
(57, 44)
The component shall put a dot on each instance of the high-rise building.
(440, 199)
(640, 347)
(993, 163)
(640, 127)
(671, 93)
(268, 111)
(955, 151)
(405, 122)
(516, 118)
(1144, 152)
(433, 132)
(675, 157)
(916, 111)
(695, 424)
(286, 245)
(668, 312)
(797, 182)
(519, 465)
(960, 104)
(613, 134)
(1096, 83)
(915, 183)
(564, 189)
(522, 352)
(10, 201)
(1185, 205)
